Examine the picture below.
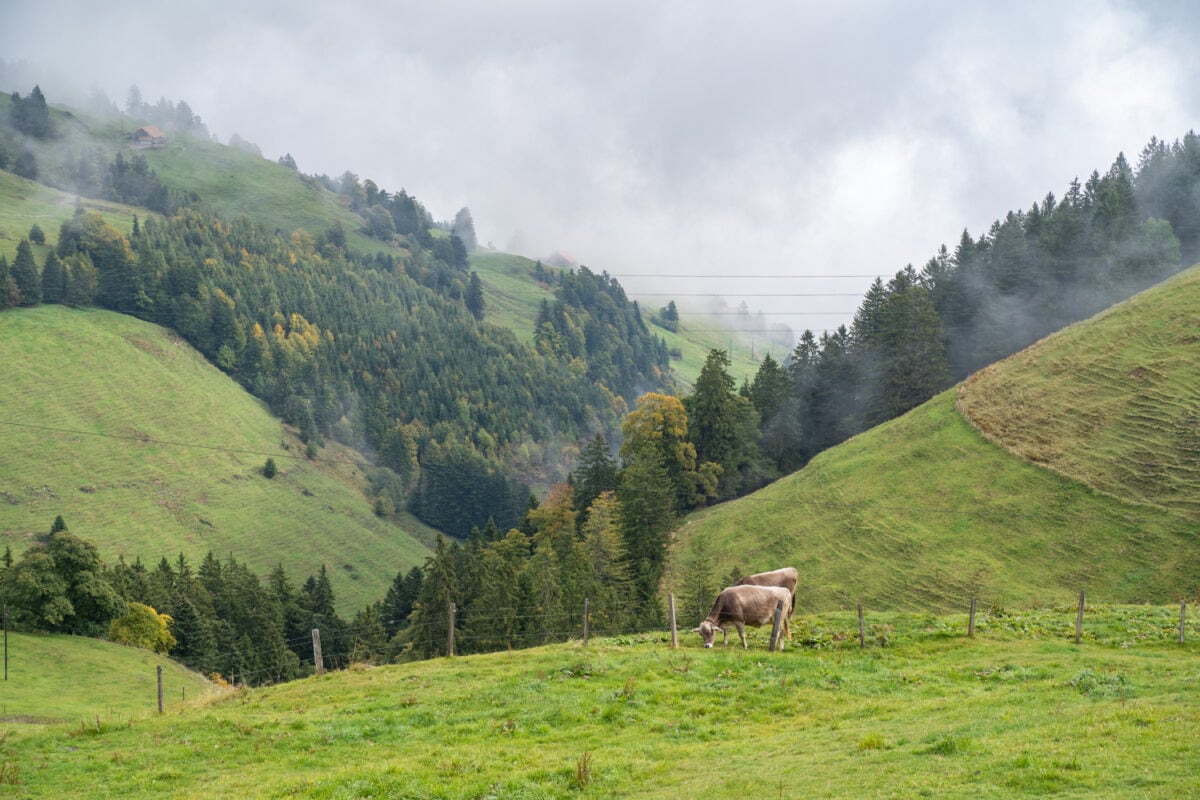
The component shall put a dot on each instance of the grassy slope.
(236, 183)
(23, 203)
(1113, 403)
(923, 512)
(72, 678)
(1006, 714)
(102, 373)
(513, 298)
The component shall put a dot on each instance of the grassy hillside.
(1017, 711)
(921, 513)
(513, 298)
(148, 450)
(235, 183)
(1113, 403)
(23, 203)
(73, 679)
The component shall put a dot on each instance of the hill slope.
(923, 513)
(73, 678)
(148, 450)
(1113, 403)
(513, 296)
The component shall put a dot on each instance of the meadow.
(149, 451)
(1018, 710)
(79, 681)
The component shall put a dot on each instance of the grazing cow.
(742, 606)
(787, 577)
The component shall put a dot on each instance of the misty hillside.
(1095, 489)
(1112, 403)
(345, 308)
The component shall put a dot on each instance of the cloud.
(675, 138)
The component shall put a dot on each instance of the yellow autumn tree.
(143, 627)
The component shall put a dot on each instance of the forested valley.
(390, 352)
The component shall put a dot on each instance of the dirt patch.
(1138, 373)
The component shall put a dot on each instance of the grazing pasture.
(922, 711)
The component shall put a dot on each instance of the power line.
(738, 277)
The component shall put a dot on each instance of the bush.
(269, 468)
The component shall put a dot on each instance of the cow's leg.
(742, 633)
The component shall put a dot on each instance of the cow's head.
(708, 632)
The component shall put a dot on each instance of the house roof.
(153, 131)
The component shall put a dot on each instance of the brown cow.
(787, 577)
(744, 605)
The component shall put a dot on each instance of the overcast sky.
(673, 138)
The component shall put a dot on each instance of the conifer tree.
(25, 275)
(474, 296)
(429, 622)
(54, 279)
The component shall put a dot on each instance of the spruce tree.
(25, 275)
(54, 280)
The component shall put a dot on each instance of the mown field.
(149, 451)
(923, 711)
(1113, 402)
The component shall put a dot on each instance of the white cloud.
(674, 138)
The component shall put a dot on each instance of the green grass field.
(1113, 402)
(1017, 711)
(73, 679)
(148, 450)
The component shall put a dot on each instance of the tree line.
(1032, 273)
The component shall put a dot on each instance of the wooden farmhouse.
(148, 136)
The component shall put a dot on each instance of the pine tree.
(464, 229)
(82, 280)
(25, 274)
(429, 622)
(495, 616)
(54, 280)
(596, 473)
(474, 296)
(646, 501)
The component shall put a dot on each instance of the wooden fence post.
(317, 660)
(450, 633)
(160, 695)
(971, 621)
(586, 614)
(775, 626)
(674, 630)
(862, 633)
(1079, 618)
(1182, 618)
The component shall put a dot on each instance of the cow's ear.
(695, 630)
(718, 630)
